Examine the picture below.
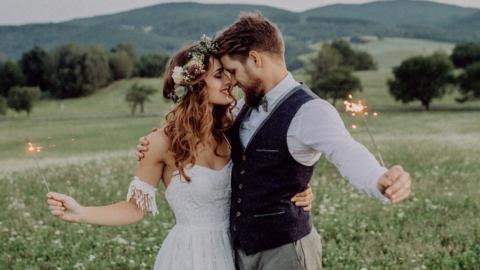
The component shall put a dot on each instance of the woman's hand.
(304, 199)
(64, 207)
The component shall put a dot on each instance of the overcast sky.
(14, 12)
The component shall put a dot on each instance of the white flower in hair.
(177, 75)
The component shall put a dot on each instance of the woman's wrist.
(82, 214)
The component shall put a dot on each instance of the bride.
(191, 156)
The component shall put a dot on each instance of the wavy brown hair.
(193, 120)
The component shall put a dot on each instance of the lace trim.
(144, 195)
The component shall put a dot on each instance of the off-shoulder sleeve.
(144, 195)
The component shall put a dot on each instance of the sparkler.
(361, 108)
(37, 149)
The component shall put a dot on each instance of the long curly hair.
(193, 121)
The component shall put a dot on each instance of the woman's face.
(218, 84)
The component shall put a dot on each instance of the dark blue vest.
(265, 177)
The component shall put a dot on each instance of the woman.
(191, 155)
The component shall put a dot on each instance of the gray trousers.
(303, 254)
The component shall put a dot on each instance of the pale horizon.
(18, 12)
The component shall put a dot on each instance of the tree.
(337, 84)
(3, 106)
(121, 65)
(10, 75)
(346, 51)
(465, 54)
(469, 83)
(357, 60)
(96, 66)
(327, 59)
(36, 66)
(127, 48)
(152, 65)
(138, 95)
(422, 78)
(78, 71)
(22, 98)
(68, 79)
(364, 61)
(328, 78)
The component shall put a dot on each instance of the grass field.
(88, 154)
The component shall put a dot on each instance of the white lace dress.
(200, 239)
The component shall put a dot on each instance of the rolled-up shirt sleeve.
(319, 128)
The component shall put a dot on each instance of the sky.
(16, 12)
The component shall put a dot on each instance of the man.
(279, 134)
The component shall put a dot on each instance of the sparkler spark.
(37, 149)
(361, 108)
(355, 108)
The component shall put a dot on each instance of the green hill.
(166, 27)
(396, 13)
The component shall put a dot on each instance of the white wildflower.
(119, 240)
(79, 266)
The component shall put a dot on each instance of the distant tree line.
(70, 71)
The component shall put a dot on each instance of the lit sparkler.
(37, 149)
(360, 108)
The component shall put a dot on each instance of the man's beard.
(254, 92)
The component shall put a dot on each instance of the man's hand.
(304, 199)
(395, 184)
(142, 146)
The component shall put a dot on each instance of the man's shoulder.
(307, 89)
(317, 106)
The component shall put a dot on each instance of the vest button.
(240, 186)
(238, 214)
(239, 200)
(244, 157)
(242, 172)
(234, 228)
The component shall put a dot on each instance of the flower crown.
(183, 76)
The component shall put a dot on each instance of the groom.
(279, 134)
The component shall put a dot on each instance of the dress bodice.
(205, 200)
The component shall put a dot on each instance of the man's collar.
(286, 84)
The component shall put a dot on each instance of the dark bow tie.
(263, 103)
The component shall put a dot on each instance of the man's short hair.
(251, 31)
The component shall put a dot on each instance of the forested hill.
(165, 27)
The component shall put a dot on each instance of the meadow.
(88, 153)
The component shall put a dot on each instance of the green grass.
(107, 102)
(437, 228)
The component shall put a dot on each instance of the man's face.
(245, 78)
